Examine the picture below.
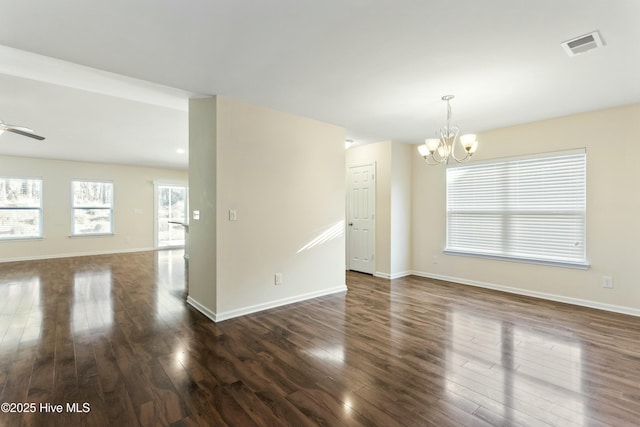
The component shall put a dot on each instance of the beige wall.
(202, 198)
(401, 159)
(284, 176)
(613, 206)
(133, 207)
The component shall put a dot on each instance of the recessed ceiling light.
(180, 151)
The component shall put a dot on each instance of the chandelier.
(440, 150)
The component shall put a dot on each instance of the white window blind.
(529, 209)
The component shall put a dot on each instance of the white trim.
(401, 274)
(82, 236)
(170, 182)
(155, 213)
(40, 209)
(201, 308)
(165, 183)
(577, 266)
(374, 179)
(71, 255)
(264, 306)
(393, 275)
(542, 295)
(278, 303)
(111, 207)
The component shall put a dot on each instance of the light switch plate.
(196, 215)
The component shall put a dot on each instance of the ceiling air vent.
(582, 44)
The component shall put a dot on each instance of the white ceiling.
(376, 67)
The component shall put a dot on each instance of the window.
(171, 211)
(92, 207)
(528, 209)
(20, 208)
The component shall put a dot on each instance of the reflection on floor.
(111, 340)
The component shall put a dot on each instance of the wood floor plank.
(114, 332)
(16, 389)
(119, 408)
(169, 404)
(198, 400)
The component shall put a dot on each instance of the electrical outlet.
(277, 279)
(435, 259)
(607, 282)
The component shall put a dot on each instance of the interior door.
(360, 221)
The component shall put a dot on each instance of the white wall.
(400, 251)
(133, 207)
(284, 176)
(613, 206)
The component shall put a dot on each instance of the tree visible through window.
(92, 207)
(171, 210)
(20, 208)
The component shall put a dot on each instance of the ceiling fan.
(19, 130)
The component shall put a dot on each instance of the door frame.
(167, 183)
(374, 165)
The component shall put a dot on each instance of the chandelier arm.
(453, 153)
(436, 155)
(434, 161)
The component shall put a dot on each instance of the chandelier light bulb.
(432, 144)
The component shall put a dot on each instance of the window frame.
(506, 213)
(110, 209)
(157, 186)
(40, 209)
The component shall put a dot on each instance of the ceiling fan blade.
(22, 128)
(19, 131)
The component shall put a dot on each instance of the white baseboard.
(264, 306)
(201, 308)
(543, 295)
(393, 275)
(77, 254)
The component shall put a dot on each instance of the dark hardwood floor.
(113, 335)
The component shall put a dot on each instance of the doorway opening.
(171, 215)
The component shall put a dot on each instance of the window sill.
(73, 236)
(574, 265)
(19, 239)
